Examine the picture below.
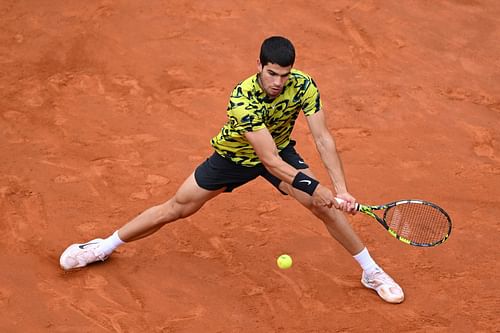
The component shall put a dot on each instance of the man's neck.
(268, 98)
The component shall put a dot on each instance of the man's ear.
(259, 66)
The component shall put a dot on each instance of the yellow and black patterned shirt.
(250, 109)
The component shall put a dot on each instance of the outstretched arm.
(325, 144)
(266, 150)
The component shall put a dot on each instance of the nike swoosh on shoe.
(83, 246)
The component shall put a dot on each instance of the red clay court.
(106, 106)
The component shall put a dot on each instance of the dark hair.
(277, 50)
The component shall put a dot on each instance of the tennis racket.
(414, 222)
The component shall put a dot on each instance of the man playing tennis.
(254, 142)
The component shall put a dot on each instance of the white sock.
(111, 243)
(365, 261)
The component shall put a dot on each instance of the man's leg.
(339, 227)
(335, 221)
(189, 199)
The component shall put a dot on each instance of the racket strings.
(419, 223)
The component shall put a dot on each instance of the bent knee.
(319, 210)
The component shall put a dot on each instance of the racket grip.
(356, 205)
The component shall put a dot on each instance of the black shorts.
(218, 172)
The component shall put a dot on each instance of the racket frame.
(369, 210)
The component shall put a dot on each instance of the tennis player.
(256, 141)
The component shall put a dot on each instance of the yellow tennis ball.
(284, 261)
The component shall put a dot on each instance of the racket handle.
(356, 205)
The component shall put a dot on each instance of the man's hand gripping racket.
(414, 222)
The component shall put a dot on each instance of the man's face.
(272, 78)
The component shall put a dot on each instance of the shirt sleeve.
(311, 99)
(244, 113)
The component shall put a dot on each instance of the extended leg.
(188, 200)
(335, 221)
(338, 226)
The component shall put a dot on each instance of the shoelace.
(92, 253)
(380, 275)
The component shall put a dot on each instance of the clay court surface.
(106, 107)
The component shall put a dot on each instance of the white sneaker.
(80, 255)
(384, 285)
